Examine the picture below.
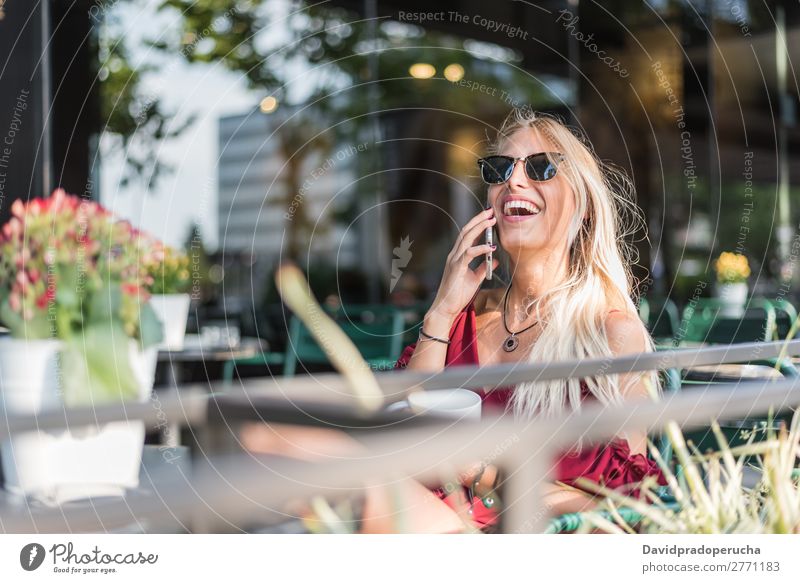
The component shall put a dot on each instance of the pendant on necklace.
(511, 343)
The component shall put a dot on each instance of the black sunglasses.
(539, 167)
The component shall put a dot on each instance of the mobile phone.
(489, 236)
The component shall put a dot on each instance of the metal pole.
(189, 404)
(243, 489)
(45, 99)
(574, 55)
(380, 229)
(785, 119)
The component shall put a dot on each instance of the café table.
(195, 351)
(160, 465)
(720, 372)
(732, 373)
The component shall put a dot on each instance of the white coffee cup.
(451, 403)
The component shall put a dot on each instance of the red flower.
(41, 301)
(131, 289)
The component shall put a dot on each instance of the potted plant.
(168, 269)
(732, 273)
(73, 296)
(712, 492)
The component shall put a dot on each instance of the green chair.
(574, 520)
(412, 315)
(704, 321)
(377, 332)
(785, 317)
(737, 431)
(660, 316)
(672, 384)
(644, 310)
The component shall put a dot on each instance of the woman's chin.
(520, 248)
(522, 238)
(521, 235)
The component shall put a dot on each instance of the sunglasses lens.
(540, 168)
(495, 169)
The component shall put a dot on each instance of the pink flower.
(18, 208)
(58, 199)
(36, 206)
(15, 227)
(14, 301)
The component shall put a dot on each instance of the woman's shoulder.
(625, 331)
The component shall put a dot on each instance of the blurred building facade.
(272, 197)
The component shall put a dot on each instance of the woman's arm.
(459, 284)
(627, 335)
(430, 355)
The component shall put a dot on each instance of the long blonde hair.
(573, 313)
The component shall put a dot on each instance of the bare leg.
(409, 507)
(402, 506)
(560, 500)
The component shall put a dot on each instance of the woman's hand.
(310, 444)
(459, 282)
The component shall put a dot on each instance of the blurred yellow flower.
(168, 270)
(732, 268)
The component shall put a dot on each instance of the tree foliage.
(334, 64)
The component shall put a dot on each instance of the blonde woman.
(561, 217)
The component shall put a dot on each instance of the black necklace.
(511, 342)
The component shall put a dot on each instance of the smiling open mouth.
(520, 208)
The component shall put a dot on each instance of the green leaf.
(67, 290)
(151, 330)
(105, 304)
(95, 366)
(37, 328)
(12, 320)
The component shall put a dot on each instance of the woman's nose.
(518, 176)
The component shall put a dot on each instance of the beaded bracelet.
(428, 337)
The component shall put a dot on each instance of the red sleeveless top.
(612, 464)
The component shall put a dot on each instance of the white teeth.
(520, 204)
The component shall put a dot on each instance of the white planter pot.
(734, 296)
(63, 465)
(173, 311)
